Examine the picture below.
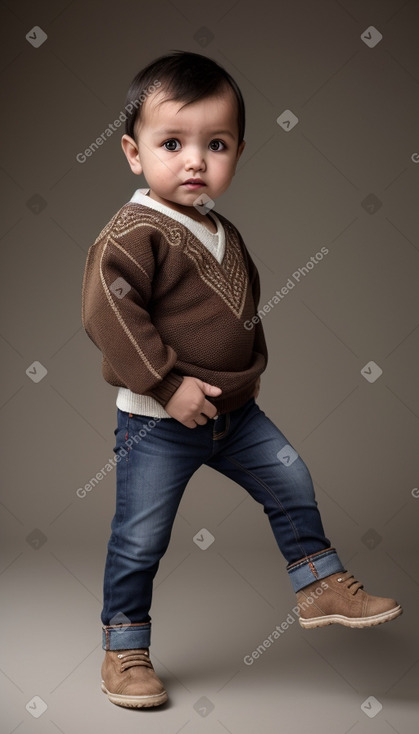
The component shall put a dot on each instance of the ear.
(239, 152)
(241, 149)
(130, 148)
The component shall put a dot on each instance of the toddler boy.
(168, 293)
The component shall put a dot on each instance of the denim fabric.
(156, 458)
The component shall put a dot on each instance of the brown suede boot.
(129, 679)
(340, 598)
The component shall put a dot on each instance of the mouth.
(194, 183)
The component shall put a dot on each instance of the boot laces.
(349, 580)
(132, 658)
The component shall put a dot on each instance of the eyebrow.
(181, 132)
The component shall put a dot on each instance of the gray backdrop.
(344, 177)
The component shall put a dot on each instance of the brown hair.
(187, 77)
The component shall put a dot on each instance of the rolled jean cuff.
(126, 636)
(314, 567)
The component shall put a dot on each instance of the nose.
(194, 159)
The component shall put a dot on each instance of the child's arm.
(260, 342)
(115, 292)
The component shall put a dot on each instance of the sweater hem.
(146, 405)
(234, 402)
(131, 402)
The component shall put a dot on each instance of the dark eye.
(171, 144)
(216, 143)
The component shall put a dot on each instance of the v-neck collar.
(230, 278)
(140, 197)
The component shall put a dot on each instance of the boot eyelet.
(339, 579)
(120, 656)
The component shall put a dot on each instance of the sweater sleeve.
(115, 292)
(260, 342)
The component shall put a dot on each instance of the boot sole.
(135, 702)
(356, 622)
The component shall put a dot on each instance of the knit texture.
(159, 306)
(130, 401)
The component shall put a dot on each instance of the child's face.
(174, 145)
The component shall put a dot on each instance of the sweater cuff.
(166, 388)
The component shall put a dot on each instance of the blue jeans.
(157, 457)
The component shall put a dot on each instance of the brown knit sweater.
(159, 306)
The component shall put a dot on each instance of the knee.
(299, 475)
(144, 550)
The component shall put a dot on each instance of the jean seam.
(306, 560)
(111, 550)
(127, 465)
(272, 494)
(217, 436)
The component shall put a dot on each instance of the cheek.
(227, 174)
(154, 159)
(162, 175)
(223, 169)
(157, 170)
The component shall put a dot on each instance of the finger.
(201, 420)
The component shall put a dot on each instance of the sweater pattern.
(229, 279)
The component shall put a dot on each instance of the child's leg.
(254, 453)
(157, 459)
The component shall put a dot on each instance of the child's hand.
(188, 403)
